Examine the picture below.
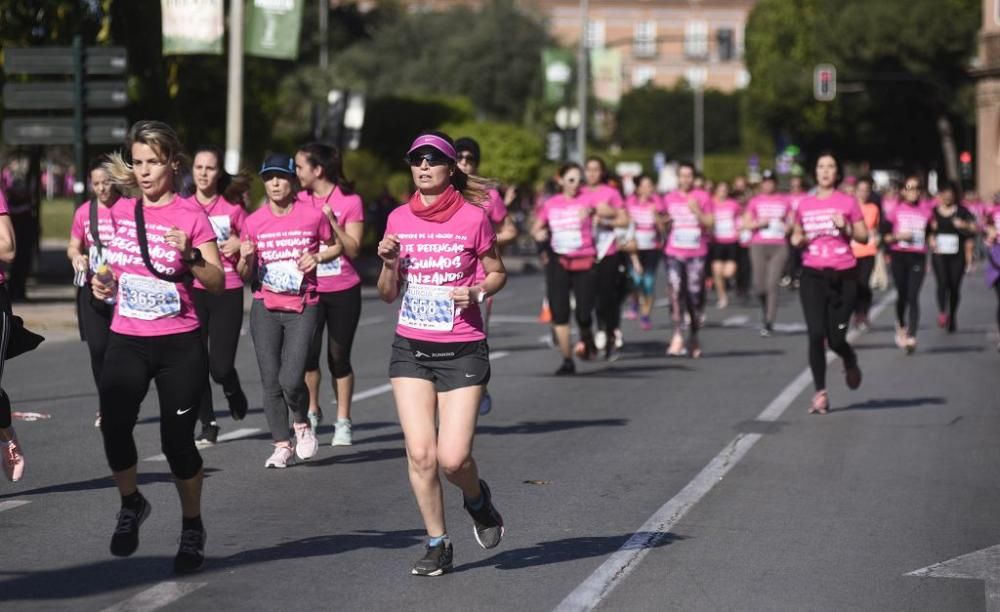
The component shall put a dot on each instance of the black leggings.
(610, 278)
(5, 315)
(221, 318)
(583, 283)
(179, 366)
(908, 270)
(340, 312)
(865, 267)
(828, 299)
(948, 271)
(94, 317)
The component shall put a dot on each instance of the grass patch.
(57, 217)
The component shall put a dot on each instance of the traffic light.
(965, 158)
(825, 82)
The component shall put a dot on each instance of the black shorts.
(724, 252)
(449, 365)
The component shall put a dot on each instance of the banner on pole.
(192, 27)
(606, 72)
(273, 28)
(558, 66)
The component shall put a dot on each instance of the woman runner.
(320, 170)
(767, 216)
(440, 359)
(161, 241)
(825, 224)
(904, 230)
(952, 226)
(865, 252)
(221, 197)
(992, 263)
(642, 207)
(724, 248)
(11, 454)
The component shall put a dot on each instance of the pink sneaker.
(13, 460)
(632, 314)
(305, 441)
(942, 320)
(645, 324)
(820, 403)
(282, 457)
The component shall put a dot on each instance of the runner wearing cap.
(767, 216)
(904, 230)
(320, 171)
(610, 269)
(279, 254)
(724, 248)
(440, 359)
(221, 196)
(11, 454)
(161, 242)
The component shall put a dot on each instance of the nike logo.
(470, 375)
(183, 412)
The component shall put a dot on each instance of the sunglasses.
(433, 158)
(468, 157)
(911, 187)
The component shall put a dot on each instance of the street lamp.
(582, 82)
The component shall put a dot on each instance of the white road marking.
(662, 302)
(790, 328)
(498, 355)
(592, 591)
(980, 565)
(10, 505)
(236, 434)
(736, 321)
(156, 597)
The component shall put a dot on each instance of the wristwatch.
(480, 295)
(195, 259)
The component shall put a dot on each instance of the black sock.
(132, 501)
(192, 523)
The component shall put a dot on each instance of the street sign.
(825, 82)
(59, 60)
(58, 95)
(57, 131)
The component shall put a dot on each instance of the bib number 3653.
(147, 299)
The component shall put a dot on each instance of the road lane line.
(596, 588)
(156, 597)
(15, 503)
(236, 434)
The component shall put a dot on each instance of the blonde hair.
(475, 189)
(165, 143)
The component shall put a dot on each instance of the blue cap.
(278, 162)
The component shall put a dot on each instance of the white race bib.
(947, 244)
(282, 277)
(774, 230)
(221, 227)
(745, 236)
(686, 237)
(645, 239)
(145, 298)
(566, 241)
(915, 242)
(428, 307)
(724, 227)
(330, 268)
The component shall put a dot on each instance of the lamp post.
(582, 81)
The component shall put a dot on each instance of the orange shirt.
(870, 248)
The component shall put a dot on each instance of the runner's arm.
(208, 270)
(8, 246)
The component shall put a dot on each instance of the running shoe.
(942, 320)
(282, 457)
(436, 561)
(485, 404)
(852, 376)
(191, 553)
(488, 524)
(209, 435)
(820, 403)
(722, 304)
(342, 433)
(305, 441)
(315, 419)
(238, 404)
(677, 348)
(97, 420)
(911, 345)
(901, 337)
(645, 323)
(600, 340)
(568, 368)
(13, 460)
(767, 331)
(619, 339)
(125, 540)
(584, 351)
(632, 313)
(785, 281)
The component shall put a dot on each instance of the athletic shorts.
(449, 365)
(724, 252)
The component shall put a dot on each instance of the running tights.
(646, 282)
(339, 312)
(908, 270)
(221, 317)
(5, 315)
(583, 283)
(768, 264)
(866, 265)
(95, 327)
(610, 278)
(828, 299)
(948, 271)
(178, 364)
(686, 277)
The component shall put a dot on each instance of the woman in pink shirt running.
(11, 454)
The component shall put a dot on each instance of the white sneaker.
(282, 457)
(619, 339)
(600, 340)
(342, 433)
(97, 420)
(305, 441)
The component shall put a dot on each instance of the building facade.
(987, 72)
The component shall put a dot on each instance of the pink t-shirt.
(339, 274)
(727, 221)
(605, 241)
(993, 217)
(687, 236)
(147, 305)
(496, 210)
(435, 258)
(4, 210)
(913, 219)
(826, 246)
(280, 241)
(80, 230)
(227, 220)
(773, 210)
(572, 233)
(643, 215)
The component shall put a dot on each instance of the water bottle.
(105, 277)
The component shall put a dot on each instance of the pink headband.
(436, 142)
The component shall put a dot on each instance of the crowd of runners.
(162, 278)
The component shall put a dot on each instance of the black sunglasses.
(468, 157)
(433, 158)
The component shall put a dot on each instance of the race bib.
(220, 225)
(145, 298)
(725, 227)
(947, 244)
(427, 307)
(915, 242)
(282, 277)
(566, 241)
(686, 238)
(645, 239)
(745, 236)
(330, 268)
(775, 230)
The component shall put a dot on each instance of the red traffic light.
(965, 157)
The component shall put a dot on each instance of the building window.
(645, 39)
(595, 34)
(696, 39)
(725, 43)
(643, 75)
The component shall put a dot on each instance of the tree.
(656, 118)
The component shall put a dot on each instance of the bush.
(369, 173)
(511, 154)
(391, 123)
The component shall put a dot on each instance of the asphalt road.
(801, 513)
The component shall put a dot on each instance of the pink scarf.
(443, 209)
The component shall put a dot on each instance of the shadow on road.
(524, 427)
(909, 402)
(104, 482)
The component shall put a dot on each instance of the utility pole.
(582, 82)
(699, 125)
(324, 36)
(234, 89)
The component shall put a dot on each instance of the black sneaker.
(568, 368)
(488, 524)
(209, 435)
(437, 560)
(125, 540)
(191, 554)
(238, 404)
(766, 331)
